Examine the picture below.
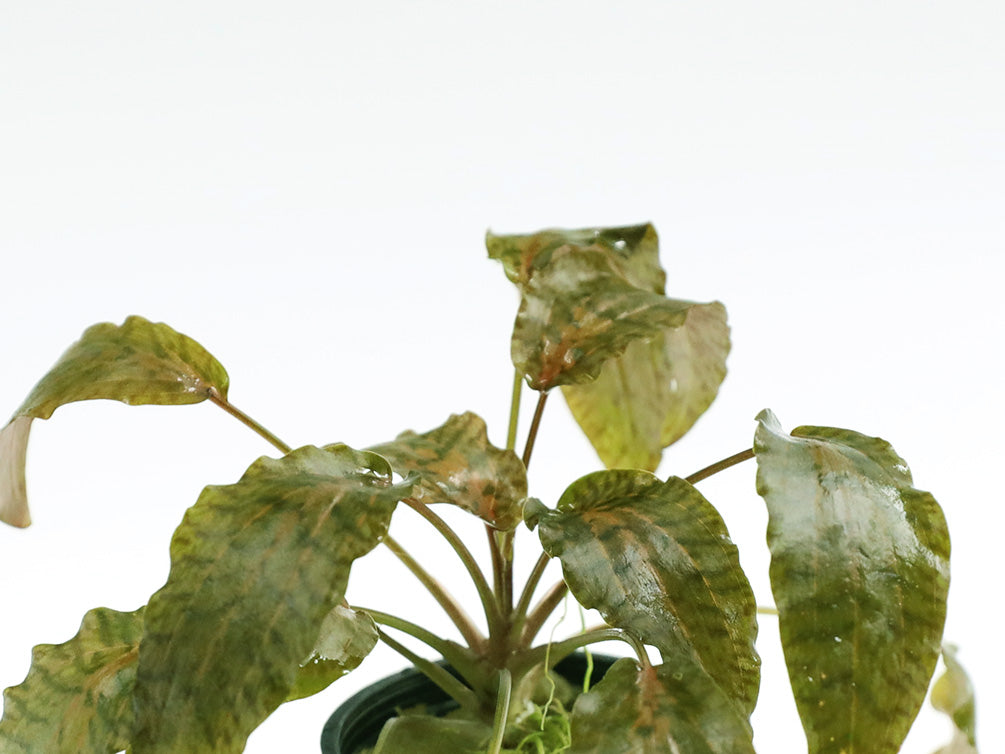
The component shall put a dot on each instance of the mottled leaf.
(634, 249)
(953, 694)
(77, 698)
(422, 734)
(655, 559)
(138, 362)
(346, 638)
(860, 574)
(658, 710)
(455, 463)
(578, 312)
(650, 396)
(256, 567)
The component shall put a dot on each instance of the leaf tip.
(13, 489)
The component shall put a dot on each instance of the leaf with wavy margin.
(647, 397)
(656, 560)
(953, 694)
(667, 708)
(137, 362)
(256, 567)
(455, 463)
(346, 638)
(77, 697)
(860, 574)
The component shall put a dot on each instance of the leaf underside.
(137, 362)
(656, 560)
(860, 574)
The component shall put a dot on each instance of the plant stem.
(541, 611)
(436, 673)
(514, 410)
(562, 649)
(502, 711)
(407, 627)
(534, 424)
(520, 614)
(215, 396)
(501, 548)
(718, 466)
(492, 614)
(450, 606)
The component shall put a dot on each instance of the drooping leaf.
(346, 638)
(457, 464)
(77, 698)
(655, 559)
(256, 567)
(953, 694)
(860, 575)
(423, 734)
(650, 396)
(667, 708)
(137, 362)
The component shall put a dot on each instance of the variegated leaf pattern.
(137, 362)
(860, 575)
(655, 559)
(256, 567)
(455, 463)
(650, 385)
(78, 696)
(658, 710)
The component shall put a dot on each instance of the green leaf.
(668, 708)
(860, 574)
(256, 567)
(455, 463)
(346, 638)
(953, 694)
(77, 698)
(138, 362)
(650, 396)
(655, 559)
(423, 734)
(586, 295)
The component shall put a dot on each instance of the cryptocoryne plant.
(255, 611)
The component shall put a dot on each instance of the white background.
(304, 188)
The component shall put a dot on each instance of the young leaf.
(455, 463)
(953, 694)
(656, 560)
(860, 574)
(646, 398)
(650, 396)
(668, 708)
(77, 698)
(137, 362)
(256, 567)
(346, 638)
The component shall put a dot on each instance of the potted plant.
(255, 611)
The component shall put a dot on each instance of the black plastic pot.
(357, 723)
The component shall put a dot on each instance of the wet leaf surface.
(860, 574)
(655, 559)
(256, 567)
